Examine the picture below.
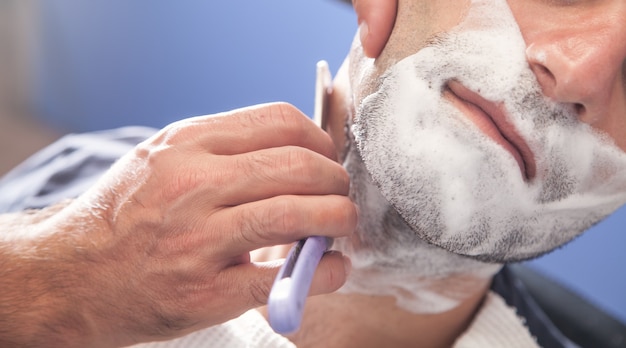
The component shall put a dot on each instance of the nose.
(583, 65)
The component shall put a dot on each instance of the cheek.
(617, 128)
(613, 122)
(359, 71)
(583, 65)
(417, 23)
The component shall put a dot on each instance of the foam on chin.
(389, 259)
(415, 144)
(428, 174)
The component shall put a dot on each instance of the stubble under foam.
(454, 187)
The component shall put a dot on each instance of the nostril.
(580, 109)
(545, 78)
(546, 72)
(583, 114)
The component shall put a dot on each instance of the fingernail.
(364, 30)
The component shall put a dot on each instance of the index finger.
(280, 220)
(251, 129)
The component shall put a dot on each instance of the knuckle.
(299, 163)
(287, 116)
(174, 133)
(285, 216)
(275, 114)
(320, 174)
(247, 224)
(262, 165)
(259, 292)
(159, 150)
(273, 222)
(285, 112)
(185, 181)
(172, 178)
(274, 165)
(258, 163)
(282, 218)
(163, 168)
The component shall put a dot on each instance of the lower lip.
(486, 125)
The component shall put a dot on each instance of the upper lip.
(491, 119)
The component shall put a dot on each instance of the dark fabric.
(66, 168)
(507, 285)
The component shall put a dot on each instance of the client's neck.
(353, 320)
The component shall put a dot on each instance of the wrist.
(37, 306)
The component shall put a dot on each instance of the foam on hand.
(461, 203)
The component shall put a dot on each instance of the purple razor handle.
(291, 287)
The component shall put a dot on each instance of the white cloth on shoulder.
(495, 325)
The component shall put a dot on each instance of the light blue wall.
(108, 63)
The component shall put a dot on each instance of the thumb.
(331, 273)
(376, 19)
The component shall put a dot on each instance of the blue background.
(109, 63)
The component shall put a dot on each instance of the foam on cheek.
(455, 187)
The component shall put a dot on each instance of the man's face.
(494, 128)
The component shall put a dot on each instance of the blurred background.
(76, 66)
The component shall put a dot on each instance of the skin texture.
(65, 297)
(522, 202)
(160, 246)
(583, 65)
(408, 36)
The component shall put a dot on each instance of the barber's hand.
(163, 241)
(376, 19)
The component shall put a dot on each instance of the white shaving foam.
(450, 185)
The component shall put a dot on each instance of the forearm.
(36, 306)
